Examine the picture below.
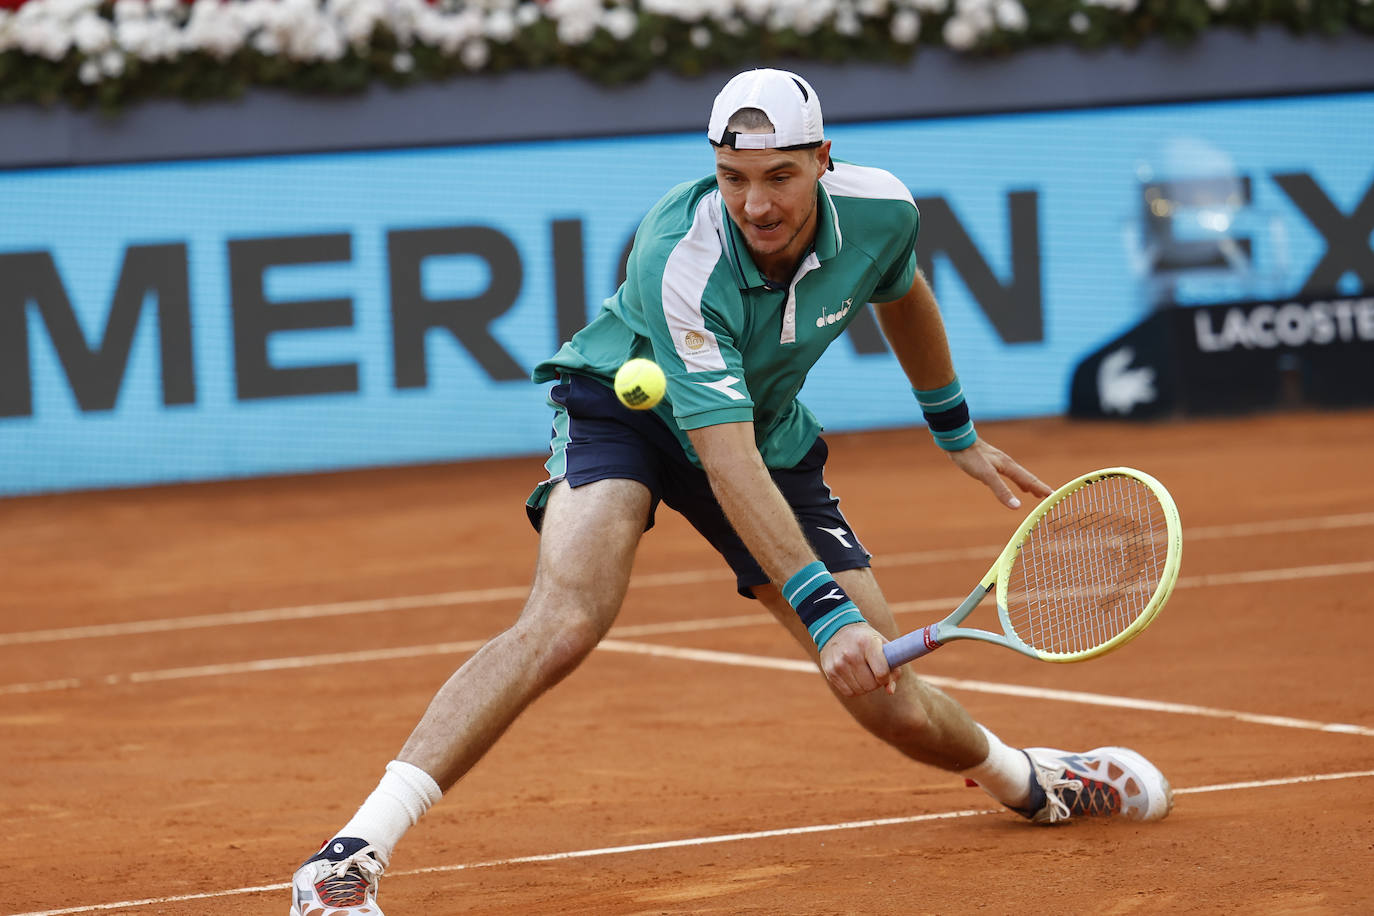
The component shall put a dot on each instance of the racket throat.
(933, 636)
(974, 599)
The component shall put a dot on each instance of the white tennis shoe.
(1102, 782)
(339, 880)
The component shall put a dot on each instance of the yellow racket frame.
(921, 642)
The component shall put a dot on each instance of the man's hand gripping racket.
(1086, 572)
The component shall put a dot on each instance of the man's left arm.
(916, 332)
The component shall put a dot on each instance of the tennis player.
(736, 285)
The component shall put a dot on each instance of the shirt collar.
(828, 239)
(826, 245)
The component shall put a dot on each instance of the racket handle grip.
(912, 646)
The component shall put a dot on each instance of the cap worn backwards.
(788, 100)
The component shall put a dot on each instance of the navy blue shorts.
(595, 437)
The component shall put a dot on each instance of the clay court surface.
(198, 684)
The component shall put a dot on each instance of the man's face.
(771, 196)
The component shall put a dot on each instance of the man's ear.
(823, 159)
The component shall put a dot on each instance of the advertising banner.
(1233, 357)
(207, 319)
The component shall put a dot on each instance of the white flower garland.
(309, 31)
(59, 43)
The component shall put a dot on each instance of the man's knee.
(556, 642)
(898, 719)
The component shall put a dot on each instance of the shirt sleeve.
(695, 345)
(901, 272)
(691, 308)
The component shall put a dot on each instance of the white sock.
(1005, 774)
(405, 793)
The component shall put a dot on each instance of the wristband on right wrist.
(820, 602)
(946, 414)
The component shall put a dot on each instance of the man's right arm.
(750, 499)
(852, 659)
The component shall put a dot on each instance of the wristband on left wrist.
(946, 413)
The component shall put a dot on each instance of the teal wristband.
(820, 602)
(947, 415)
(935, 400)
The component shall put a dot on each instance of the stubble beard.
(790, 239)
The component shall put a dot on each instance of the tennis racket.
(1085, 573)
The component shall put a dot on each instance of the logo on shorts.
(693, 340)
(838, 534)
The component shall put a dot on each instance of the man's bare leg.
(919, 720)
(585, 554)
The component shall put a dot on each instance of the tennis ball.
(640, 384)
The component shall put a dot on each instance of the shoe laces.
(345, 882)
(1090, 797)
(1095, 798)
(1055, 783)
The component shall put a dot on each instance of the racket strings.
(1089, 568)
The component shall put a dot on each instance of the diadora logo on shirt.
(832, 317)
(726, 387)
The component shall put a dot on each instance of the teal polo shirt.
(735, 348)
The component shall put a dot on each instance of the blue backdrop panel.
(349, 265)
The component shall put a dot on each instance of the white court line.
(711, 656)
(653, 580)
(269, 615)
(1278, 575)
(1202, 533)
(685, 626)
(1013, 690)
(676, 844)
(1281, 526)
(347, 658)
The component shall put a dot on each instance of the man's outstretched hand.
(989, 464)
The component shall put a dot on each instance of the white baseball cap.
(788, 100)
